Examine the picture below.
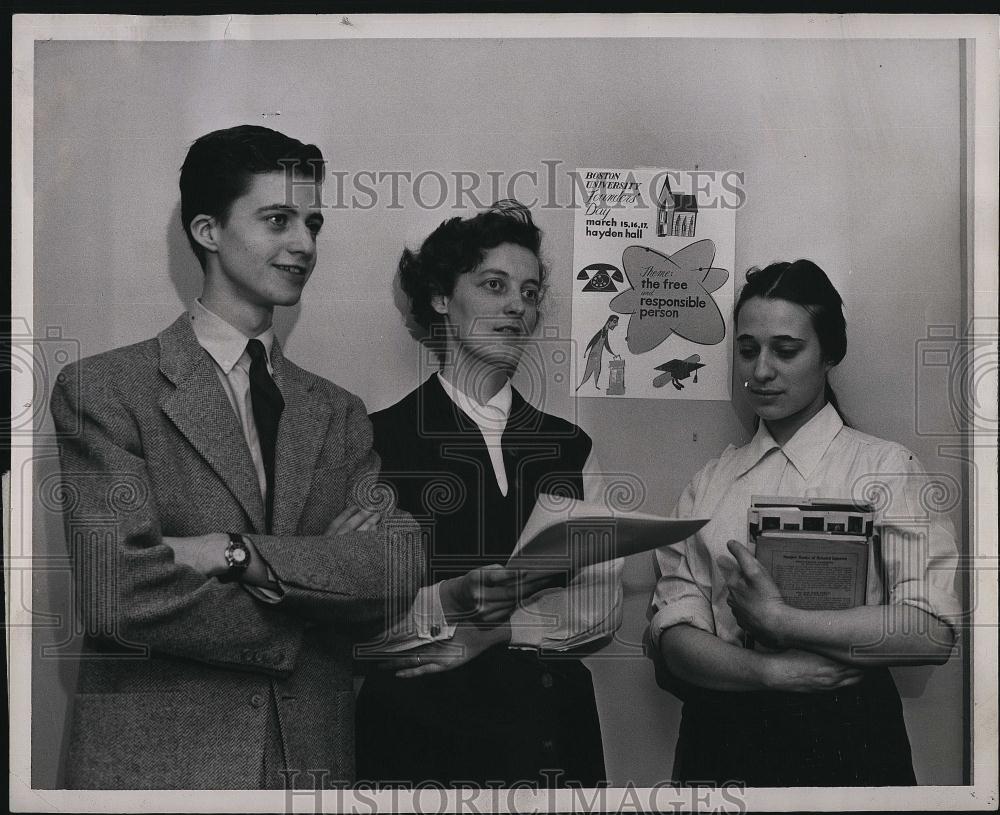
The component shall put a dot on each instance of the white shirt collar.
(804, 450)
(224, 343)
(489, 417)
(811, 441)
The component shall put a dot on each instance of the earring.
(746, 384)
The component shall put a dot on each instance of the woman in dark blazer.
(488, 688)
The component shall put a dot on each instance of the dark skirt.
(507, 718)
(849, 737)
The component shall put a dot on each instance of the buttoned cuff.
(429, 620)
(562, 619)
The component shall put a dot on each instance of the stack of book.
(815, 549)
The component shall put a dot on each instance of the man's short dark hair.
(219, 165)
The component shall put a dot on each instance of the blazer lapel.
(301, 433)
(201, 411)
(440, 416)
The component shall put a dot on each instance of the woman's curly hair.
(457, 247)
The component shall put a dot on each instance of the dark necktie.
(267, 407)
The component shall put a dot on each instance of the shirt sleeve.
(919, 552)
(266, 594)
(588, 609)
(425, 623)
(680, 597)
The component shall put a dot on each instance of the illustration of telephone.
(601, 277)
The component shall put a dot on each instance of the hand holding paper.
(488, 595)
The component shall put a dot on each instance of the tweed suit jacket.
(185, 681)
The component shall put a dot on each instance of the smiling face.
(778, 355)
(492, 310)
(261, 255)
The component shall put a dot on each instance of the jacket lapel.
(440, 416)
(301, 433)
(200, 410)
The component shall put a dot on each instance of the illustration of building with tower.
(677, 213)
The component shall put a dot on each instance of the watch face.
(239, 555)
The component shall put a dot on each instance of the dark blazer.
(434, 457)
(506, 716)
(187, 682)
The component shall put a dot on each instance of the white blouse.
(824, 459)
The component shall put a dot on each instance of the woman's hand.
(489, 594)
(468, 643)
(805, 672)
(755, 599)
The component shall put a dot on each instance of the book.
(824, 515)
(816, 571)
(817, 550)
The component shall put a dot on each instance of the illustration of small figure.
(595, 352)
(678, 369)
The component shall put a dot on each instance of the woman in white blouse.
(818, 706)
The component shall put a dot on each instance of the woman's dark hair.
(805, 284)
(457, 247)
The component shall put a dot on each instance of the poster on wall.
(653, 256)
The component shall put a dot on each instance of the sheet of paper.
(574, 534)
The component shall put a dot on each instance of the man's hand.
(805, 672)
(353, 519)
(468, 643)
(203, 553)
(489, 594)
(755, 599)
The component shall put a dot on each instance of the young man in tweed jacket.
(221, 571)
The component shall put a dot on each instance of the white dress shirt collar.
(489, 418)
(809, 444)
(804, 450)
(225, 343)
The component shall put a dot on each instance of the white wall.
(851, 154)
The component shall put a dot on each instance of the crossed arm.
(137, 586)
(864, 636)
(814, 650)
(207, 553)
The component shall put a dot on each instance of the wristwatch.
(237, 557)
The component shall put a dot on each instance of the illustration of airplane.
(678, 369)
